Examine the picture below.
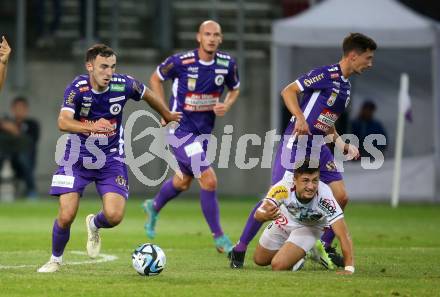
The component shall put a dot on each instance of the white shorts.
(275, 235)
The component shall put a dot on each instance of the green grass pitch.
(397, 253)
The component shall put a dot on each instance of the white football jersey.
(322, 210)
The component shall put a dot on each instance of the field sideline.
(397, 254)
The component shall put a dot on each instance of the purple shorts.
(327, 167)
(190, 154)
(112, 178)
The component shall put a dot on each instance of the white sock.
(92, 225)
(56, 259)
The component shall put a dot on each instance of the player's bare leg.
(263, 256)
(210, 209)
(287, 257)
(68, 207)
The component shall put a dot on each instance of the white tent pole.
(436, 110)
(404, 83)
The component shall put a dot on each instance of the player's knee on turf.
(278, 265)
(261, 260)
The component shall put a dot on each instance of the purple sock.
(327, 237)
(249, 231)
(60, 237)
(101, 222)
(208, 201)
(166, 193)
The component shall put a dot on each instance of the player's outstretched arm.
(5, 51)
(341, 231)
(67, 123)
(220, 109)
(290, 97)
(267, 211)
(157, 104)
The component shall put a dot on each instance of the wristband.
(349, 268)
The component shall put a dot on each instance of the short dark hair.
(99, 50)
(358, 42)
(307, 165)
(19, 99)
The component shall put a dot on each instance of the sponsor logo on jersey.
(120, 180)
(336, 84)
(222, 62)
(309, 81)
(331, 166)
(70, 98)
(117, 87)
(136, 87)
(115, 109)
(335, 68)
(221, 71)
(278, 193)
(281, 221)
(191, 83)
(188, 61)
(87, 99)
(81, 82)
(201, 102)
(84, 89)
(113, 122)
(334, 75)
(193, 69)
(116, 99)
(118, 79)
(186, 55)
(223, 56)
(84, 112)
(326, 120)
(331, 100)
(165, 69)
(219, 79)
(328, 205)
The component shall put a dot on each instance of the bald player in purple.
(199, 77)
(326, 94)
(5, 51)
(92, 113)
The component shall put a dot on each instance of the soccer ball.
(148, 259)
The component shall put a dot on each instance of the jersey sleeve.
(328, 204)
(168, 68)
(316, 79)
(71, 98)
(135, 89)
(232, 79)
(279, 192)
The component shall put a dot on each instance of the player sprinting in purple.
(92, 113)
(199, 77)
(326, 93)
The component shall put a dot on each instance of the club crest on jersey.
(115, 109)
(219, 79)
(331, 166)
(191, 83)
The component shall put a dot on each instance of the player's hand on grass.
(102, 125)
(267, 211)
(301, 126)
(5, 51)
(220, 109)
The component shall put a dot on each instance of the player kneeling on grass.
(300, 210)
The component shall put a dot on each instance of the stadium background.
(145, 32)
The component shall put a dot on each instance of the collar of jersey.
(97, 92)
(209, 63)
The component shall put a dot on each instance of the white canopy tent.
(309, 39)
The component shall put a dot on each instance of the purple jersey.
(326, 95)
(197, 87)
(89, 106)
